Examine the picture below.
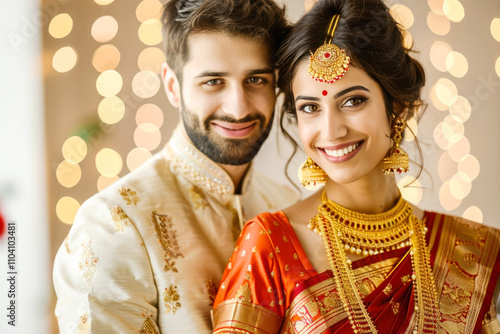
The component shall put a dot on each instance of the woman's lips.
(342, 153)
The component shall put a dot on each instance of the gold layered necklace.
(370, 234)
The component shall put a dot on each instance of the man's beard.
(222, 150)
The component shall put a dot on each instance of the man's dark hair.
(261, 20)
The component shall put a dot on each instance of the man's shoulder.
(150, 178)
(263, 182)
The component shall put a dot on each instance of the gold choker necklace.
(343, 229)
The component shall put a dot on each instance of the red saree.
(269, 285)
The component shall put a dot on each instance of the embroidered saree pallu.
(269, 285)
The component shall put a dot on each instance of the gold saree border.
(306, 302)
(238, 316)
(443, 273)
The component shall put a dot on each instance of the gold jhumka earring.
(329, 63)
(311, 176)
(396, 159)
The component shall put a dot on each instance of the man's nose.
(236, 102)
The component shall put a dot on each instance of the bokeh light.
(453, 10)
(459, 149)
(438, 24)
(447, 167)
(447, 199)
(435, 101)
(457, 64)
(61, 25)
(411, 189)
(146, 84)
(440, 139)
(149, 113)
(436, 6)
(103, 2)
(104, 29)
(106, 57)
(68, 175)
(403, 15)
(137, 157)
(453, 130)
(495, 29)
(438, 54)
(150, 32)
(64, 59)
(148, 9)
(461, 109)
(459, 187)
(151, 59)
(147, 136)
(109, 83)
(469, 168)
(412, 125)
(111, 110)
(66, 209)
(446, 91)
(108, 162)
(407, 39)
(103, 182)
(473, 213)
(74, 149)
(497, 66)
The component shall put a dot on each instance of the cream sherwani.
(146, 254)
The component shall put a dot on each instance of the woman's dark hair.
(375, 43)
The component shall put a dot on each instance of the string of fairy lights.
(457, 166)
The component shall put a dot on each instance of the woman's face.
(343, 125)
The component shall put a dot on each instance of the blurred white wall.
(22, 168)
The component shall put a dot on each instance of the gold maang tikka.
(329, 63)
(397, 159)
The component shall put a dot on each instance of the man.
(146, 254)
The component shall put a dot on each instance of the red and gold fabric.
(269, 285)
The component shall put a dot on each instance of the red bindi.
(325, 93)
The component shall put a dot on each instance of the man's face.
(227, 96)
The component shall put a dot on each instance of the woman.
(383, 266)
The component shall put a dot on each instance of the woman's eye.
(309, 108)
(354, 101)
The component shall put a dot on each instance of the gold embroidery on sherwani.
(66, 244)
(171, 299)
(149, 327)
(198, 198)
(120, 219)
(88, 261)
(212, 292)
(83, 324)
(129, 195)
(168, 240)
(244, 293)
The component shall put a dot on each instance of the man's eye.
(255, 80)
(213, 82)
